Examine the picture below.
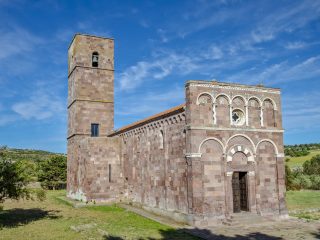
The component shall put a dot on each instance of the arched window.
(161, 138)
(95, 59)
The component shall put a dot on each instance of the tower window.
(95, 59)
(94, 129)
(109, 172)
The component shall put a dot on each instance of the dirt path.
(285, 229)
(291, 228)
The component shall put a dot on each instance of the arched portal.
(240, 178)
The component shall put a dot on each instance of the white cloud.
(262, 35)
(17, 41)
(280, 72)
(163, 36)
(158, 68)
(286, 19)
(207, 14)
(295, 45)
(213, 53)
(42, 104)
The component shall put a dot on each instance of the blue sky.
(158, 46)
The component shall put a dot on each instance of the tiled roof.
(157, 116)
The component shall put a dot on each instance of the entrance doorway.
(240, 192)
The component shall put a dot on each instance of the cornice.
(236, 88)
(89, 100)
(189, 127)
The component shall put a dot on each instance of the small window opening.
(161, 139)
(94, 129)
(109, 172)
(95, 59)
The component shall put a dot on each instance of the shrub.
(41, 194)
(302, 182)
(312, 166)
(315, 182)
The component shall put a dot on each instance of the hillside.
(296, 155)
(29, 154)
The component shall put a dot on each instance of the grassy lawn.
(298, 161)
(55, 219)
(304, 200)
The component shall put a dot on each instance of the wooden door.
(239, 191)
(236, 192)
(243, 191)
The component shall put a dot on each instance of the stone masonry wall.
(154, 165)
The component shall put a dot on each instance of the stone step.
(246, 218)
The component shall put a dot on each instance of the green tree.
(53, 172)
(13, 181)
(312, 166)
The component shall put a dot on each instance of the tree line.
(299, 150)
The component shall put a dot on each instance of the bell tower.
(90, 104)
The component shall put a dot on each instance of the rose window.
(238, 117)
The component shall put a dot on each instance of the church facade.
(219, 153)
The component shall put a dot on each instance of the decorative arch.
(272, 101)
(256, 98)
(211, 138)
(243, 99)
(255, 113)
(222, 94)
(241, 135)
(202, 94)
(270, 141)
(240, 148)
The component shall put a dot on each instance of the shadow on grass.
(18, 216)
(182, 234)
(317, 235)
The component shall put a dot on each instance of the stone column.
(252, 191)
(261, 116)
(214, 114)
(281, 184)
(229, 196)
(247, 115)
(230, 107)
(194, 188)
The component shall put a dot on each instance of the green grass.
(300, 202)
(304, 199)
(298, 161)
(56, 219)
(308, 216)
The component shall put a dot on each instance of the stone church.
(217, 154)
